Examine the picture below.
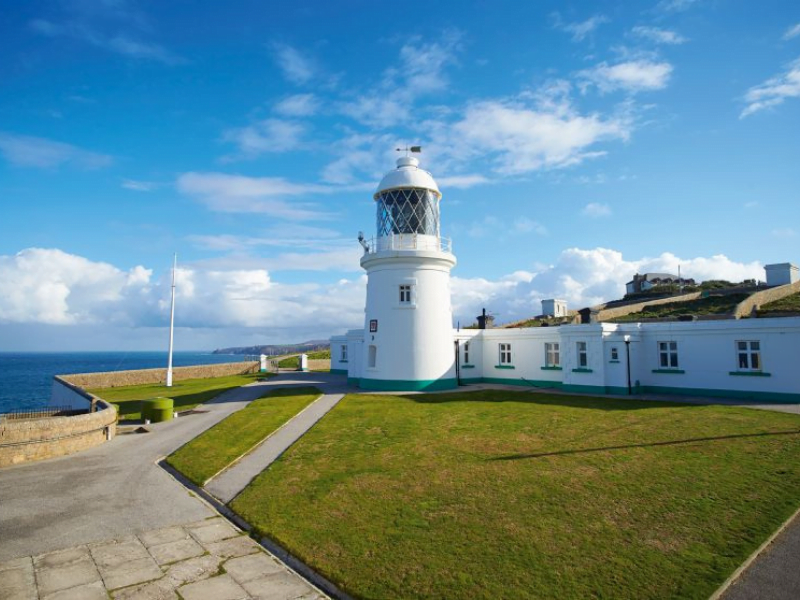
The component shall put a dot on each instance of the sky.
(575, 144)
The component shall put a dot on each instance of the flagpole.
(171, 322)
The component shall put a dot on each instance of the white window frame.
(582, 353)
(552, 354)
(343, 353)
(667, 354)
(747, 351)
(505, 354)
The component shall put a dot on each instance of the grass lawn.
(293, 362)
(496, 494)
(185, 394)
(711, 305)
(219, 446)
(789, 304)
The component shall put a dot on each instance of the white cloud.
(28, 151)
(296, 67)
(632, 76)
(378, 111)
(581, 29)
(784, 233)
(526, 225)
(773, 92)
(269, 135)
(596, 210)
(792, 32)
(461, 181)
(299, 105)
(524, 138)
(659, 36)
(121, 43)
(139, 186)
(240, 194)
(675, 5)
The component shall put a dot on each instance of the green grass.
(712, 305)
(517, 495)
(293, 362)
(185, 394)
(790, 304)
(216, 448)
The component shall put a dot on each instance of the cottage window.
(552, 355)
(668, 355)
(466, 353)
(505, 354)
(405, 294)
(614, 353)
(749, 355)
(343, 355)
(372, 357)
(583, 355)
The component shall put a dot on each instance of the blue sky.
(574, 144)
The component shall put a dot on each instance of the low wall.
(26, 440)
(319, 364)
(146, 376)
(746, 307)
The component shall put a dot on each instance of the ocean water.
(26, 378)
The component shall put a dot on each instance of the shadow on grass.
(645, 445)
(586, 402)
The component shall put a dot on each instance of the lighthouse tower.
(408, 322)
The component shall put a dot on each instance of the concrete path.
(108, 492)
(208, 559)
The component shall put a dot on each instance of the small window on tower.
(405, 294)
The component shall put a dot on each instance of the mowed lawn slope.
(219, 446)
(499, 494)
(186, 394)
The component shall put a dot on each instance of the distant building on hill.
(642, 283)
(781, 274)
(554, 308)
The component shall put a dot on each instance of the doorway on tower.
(372, 357)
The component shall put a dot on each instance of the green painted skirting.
(551, 368)
(776, 397)
(353, 381)
(669, 371)
(520, 382)
(750, 373)
(469, 380)
(398, 385)
(584, 389)
(339, 371)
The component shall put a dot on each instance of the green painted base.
(339, 371)
(398, 385)
(771, 397)
(353, 381)
(523, 382)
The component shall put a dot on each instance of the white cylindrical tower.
(408, 325)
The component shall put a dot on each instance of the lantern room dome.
(407, 175)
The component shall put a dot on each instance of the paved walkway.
(227, 485)
(205, 560)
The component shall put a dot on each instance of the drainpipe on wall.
(628, 361)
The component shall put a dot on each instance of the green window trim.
(504, 367)
(467, 366)
(750, 373)
(613, 361)
(551, 368)
(582, 370)
(343, 361)
(670, 371)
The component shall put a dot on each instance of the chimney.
(485, 321)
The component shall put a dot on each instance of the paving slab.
(222, 587)
(156, 590)
(162, 536)
(194, 569)
(90, 591)
(280, 586)
(112, 554)
(62, 557)
(233, 547)
(132, 572)
(214, 532)
(174, 551)
(17, 581)
(66, 576)
(17, 563)
(255, 566)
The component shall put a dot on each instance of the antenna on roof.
(407, 149)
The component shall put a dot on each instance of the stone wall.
(147, 376)
(599, 314)
(749, 305)
(25, 440)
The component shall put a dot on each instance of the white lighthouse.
(408, 321)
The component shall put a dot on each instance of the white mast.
(171, 322)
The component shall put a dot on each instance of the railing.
(41, 413)
(408, 241)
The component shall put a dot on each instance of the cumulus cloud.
(774, 91)
(29, 151)
(583, 278)
(580, 29)
(792, 32)
(240, 194)
(632, 76)
(269, 135)
(658, 35)
(596, 210)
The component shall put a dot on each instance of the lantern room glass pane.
(408, 211)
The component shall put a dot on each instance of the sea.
(26, 378)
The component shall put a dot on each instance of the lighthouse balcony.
(407, 241)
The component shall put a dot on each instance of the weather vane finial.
(408, 149)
